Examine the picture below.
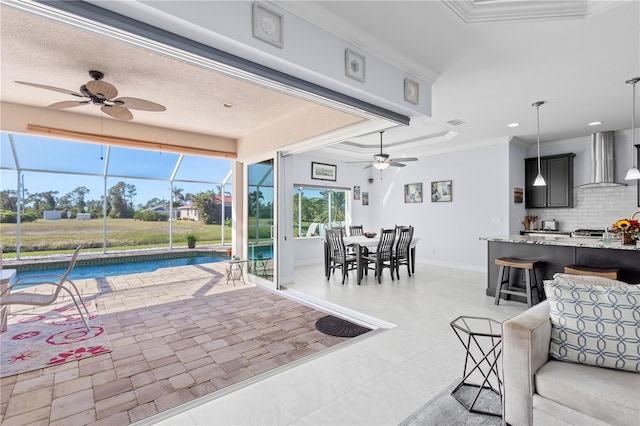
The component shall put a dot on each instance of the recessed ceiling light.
(595, 123)
(228, 105)
(513, 124)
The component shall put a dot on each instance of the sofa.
(591, 379)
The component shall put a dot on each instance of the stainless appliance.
(588, 233)
(603, 159)
(550, 225)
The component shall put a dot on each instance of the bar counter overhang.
(559, 251)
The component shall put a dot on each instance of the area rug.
(444, 409)
(47, 336)
(334, 326)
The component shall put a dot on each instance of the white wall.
(449, 232)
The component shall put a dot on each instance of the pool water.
(81, 272)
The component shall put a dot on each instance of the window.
(318, 208)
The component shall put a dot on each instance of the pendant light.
(633, 173)
(539, 179)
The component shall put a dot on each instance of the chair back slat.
(355, 230)
(335, 242)
(403, 241)
(385, 244)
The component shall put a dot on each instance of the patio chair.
(36, 299)
(338, 257)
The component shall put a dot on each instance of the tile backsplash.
(593, 208)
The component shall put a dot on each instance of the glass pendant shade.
(380, 166)
(633, 173)
(539, 181)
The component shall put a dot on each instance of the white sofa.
(539, 389)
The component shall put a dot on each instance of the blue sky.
(85, 158)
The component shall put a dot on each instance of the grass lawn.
(61, 235)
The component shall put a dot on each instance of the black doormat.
(334, 326)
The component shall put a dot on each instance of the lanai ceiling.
(488, 62)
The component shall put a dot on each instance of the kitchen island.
(557, 251)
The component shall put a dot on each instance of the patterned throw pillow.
(595, 325)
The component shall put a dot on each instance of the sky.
(87, 161)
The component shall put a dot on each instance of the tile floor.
(376, 379)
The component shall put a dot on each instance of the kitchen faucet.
(634, 215)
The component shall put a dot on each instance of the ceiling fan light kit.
(103, 94)
(633, 173)
(539, 179)
(381, 161)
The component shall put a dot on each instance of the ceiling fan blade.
(55, 89)
(140, 104)
(115, 111)
(394, 164)
(404, 160)
(370, 165)
(67, 104)
(102, 89)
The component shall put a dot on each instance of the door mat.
(50, 335)
(334, 326)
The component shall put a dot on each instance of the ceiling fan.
(382, 161)
(103, 94)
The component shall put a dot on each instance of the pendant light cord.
(633, 123)
(538, 118)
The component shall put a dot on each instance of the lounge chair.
(35, 299)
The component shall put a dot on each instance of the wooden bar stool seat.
(504, 286)
(610, 273)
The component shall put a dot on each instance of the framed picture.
(413, 193)
(365, 198)
(411, 91)
(517, 195)
(354, 65)
(268, 25)
(322, 171)
(356, 192)
(441, 191)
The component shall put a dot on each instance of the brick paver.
(177, 334)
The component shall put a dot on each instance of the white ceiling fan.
(381, 161)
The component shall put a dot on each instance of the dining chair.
(401, 251)
(383, 257)
(59, 283)
(338, 257)
(355, 230)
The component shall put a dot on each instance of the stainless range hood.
(603, 161)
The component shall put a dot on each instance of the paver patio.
(177, 334)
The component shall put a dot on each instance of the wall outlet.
(496, 221)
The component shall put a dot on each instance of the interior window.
(318, 208)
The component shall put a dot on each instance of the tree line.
(120, 204)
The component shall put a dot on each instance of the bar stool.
(611, 273)
(506, 263)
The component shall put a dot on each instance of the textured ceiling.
(485, 74)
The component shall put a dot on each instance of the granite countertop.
(561, 240)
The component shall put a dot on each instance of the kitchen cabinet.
(557, 171)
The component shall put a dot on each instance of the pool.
(111, 267)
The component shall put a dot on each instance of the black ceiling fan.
(382, 161)
(99, 92)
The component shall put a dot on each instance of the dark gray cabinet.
(557, 171)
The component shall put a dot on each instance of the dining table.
(359, 242)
